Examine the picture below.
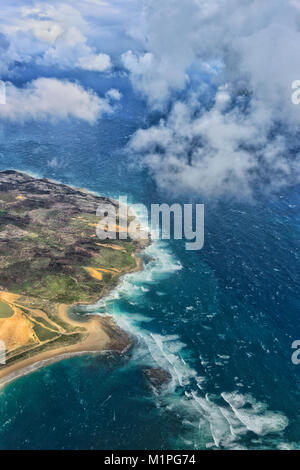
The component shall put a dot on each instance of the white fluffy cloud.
(217, 152)
(52, 35)
(154, 78)
(250, 46)
(49, 98)
(113, 94)
(96, 62)
(242, 140)
(254, 41)
(169, 28)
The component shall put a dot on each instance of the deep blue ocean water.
(221, 320)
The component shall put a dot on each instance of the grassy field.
(50, 254)
(44, 334)
(5, 310)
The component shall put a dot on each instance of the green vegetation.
(45, 323)
(47, 254)
(45, 250)
(64, 340)
(130, 247)
(5, 310)
(107, 277)
(108, 259)
(63, 324)
(60, 288)
(44, 334)
(20, 350)
(40, 319)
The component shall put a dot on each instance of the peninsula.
(50, 260)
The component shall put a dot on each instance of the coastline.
(101, 334)
(28, 369)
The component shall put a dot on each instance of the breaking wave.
(228, 420)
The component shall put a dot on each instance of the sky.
(217, 73)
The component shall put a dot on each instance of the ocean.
(221, 320)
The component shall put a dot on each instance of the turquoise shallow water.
(221, 320)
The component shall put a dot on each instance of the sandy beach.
(102, 335)
(36, 333)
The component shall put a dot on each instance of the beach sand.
(102, 335)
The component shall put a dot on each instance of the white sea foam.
(211, 424)
(255, 417)
(134, 285)
(228, 424)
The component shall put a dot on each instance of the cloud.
(67, 35)
(49, 98)
(96, 62)
(155, 79)
(238, 136)
(168, 27)
(51, 35)
(114, 94)
(218, 152)
(187, 55)
(63, 33)
(4, 43)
